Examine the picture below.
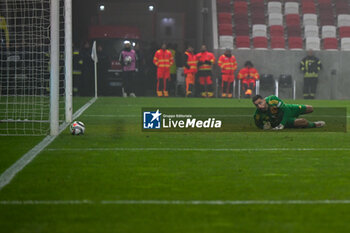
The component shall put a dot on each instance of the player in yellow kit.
(273, 113)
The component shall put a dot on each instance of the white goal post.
(35, 66)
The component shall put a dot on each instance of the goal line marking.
(175, 202)
(199, 149)
(10, 173)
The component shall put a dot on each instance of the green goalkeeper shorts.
(295, 111)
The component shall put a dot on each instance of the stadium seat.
(275, 19)
(274, 7)
(243, 42)
(345, 44)
(224, 3)
(252, 2)
(329, 32)
(292, 20)
(278, 42)
(311, 31)
(240, 19)
(330, 44)
(342, 7)
(240, 7)
(285, 81)
(326, 16)
(223, 6)
(226, 42)
(242, 29)
(326, 19)
(343, 20)
(295, 43)
(343, 10)
(276, 31)
(224, 18)
(224, 9)
(324, 1)
(325, 6)
(258, 18)
(325, 12)
(291, 8)
(267, 82)
(260, 42)
(225, 30)
(259, 30)
(313, 43)
(308, 7)
(257, 5)
(309, 19)
(294, 31)
(344, 32)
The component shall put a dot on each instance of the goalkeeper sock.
(311, 125)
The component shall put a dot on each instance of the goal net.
(25, 43)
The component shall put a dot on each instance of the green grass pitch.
(93, 169)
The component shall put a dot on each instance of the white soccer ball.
(77, 128)
(127, 60)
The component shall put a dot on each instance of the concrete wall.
(277, 62)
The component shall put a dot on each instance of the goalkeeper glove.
(279, 127)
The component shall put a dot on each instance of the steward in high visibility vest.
(163, 59)
(190, 70)
(249, 75)
(206, 60)
(228, 65)
(310, 66)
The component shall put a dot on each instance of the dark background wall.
(135, 13)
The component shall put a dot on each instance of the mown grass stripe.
(176, 202)
(199, 149)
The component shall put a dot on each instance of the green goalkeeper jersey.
(274, 113)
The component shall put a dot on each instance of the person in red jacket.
(206, 61)
(190, 69)
(163, 59)
(249, 75)
(228, 65)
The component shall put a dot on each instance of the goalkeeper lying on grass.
(273, 113)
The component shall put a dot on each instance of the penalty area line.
(10, 173)
(175, 202)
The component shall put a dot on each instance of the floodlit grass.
(94, 168)
(13, 147)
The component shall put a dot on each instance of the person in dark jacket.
(310, 66)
